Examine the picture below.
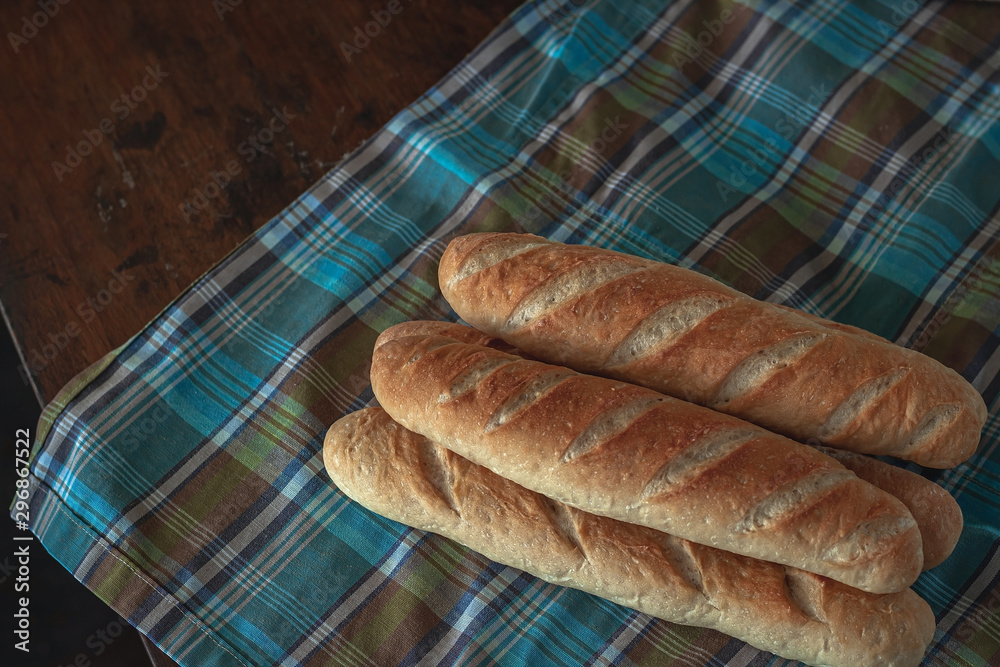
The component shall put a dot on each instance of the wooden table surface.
(144, 141)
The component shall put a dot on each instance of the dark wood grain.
(90, 253)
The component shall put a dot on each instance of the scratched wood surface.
(143, 141)
(119, 125)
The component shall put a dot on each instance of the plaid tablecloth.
(839, 157)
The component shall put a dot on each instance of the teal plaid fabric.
(838, 157)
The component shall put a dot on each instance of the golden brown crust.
(686, 335)
(937, 514)
(453, 330)
(630, 453)
(795, 614)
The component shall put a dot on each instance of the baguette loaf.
(795, 614)
(938, 516)
(686, 335)
(632, 454)
(459, 332)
